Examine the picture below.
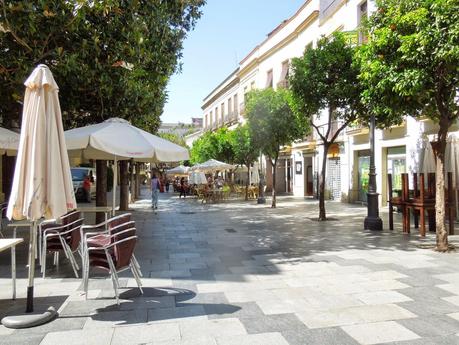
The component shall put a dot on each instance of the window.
(210, 118)
(245, 93)
(252, 85)
(205, 120)
(269, 79)
(309, 46)
(236, 106)
(283, 82)
(229, 106)
(362, 17)
(222, 113)
(285, 68)
(216, 116)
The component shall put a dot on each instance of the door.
(334, 178)
(363, 177)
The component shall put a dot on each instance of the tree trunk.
(440, 212)
(101, 188)
(322, 213)
(131, 180)
(137, 181)
(124, 186)
(273, 202)
(247, 183)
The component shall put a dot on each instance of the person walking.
(183, 188)
(154, 191)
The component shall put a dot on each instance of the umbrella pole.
(30, 319)
(115, 180)
(32, 248)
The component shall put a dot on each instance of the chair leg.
(137, 266)
(137, 278)
(43, 262)
(40, 247)
(85, 277)
(115, 286)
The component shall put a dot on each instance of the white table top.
(94, 208)
(20, 224)
(6, 243)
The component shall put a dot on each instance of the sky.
(227, 31)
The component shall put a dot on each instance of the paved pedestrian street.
(236, 273)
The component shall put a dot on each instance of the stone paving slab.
(241, 273)
(380, 332)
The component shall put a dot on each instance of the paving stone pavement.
(241, 273)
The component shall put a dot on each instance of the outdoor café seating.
(420, 200)
(112, 251)
(97, 238)
(47, 224)
(65, 238)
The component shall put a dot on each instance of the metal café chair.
(114, 257)
(66, 238)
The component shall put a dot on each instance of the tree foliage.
(326, 90)
(411, 67)
(109, 57)
(173, 137)
(245, 150)
(213, 145)
(272, 123)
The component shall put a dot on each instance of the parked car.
(78, 175)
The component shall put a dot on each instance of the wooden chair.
(424, 202)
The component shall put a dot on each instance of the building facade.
(397, 148)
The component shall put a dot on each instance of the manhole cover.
(187, 212)
(230, 230)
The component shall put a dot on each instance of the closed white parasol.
(42, 184)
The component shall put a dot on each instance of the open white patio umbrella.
(212, 165)
(116, 139)
(197, 177)
(180, 170)
(9, 141)
(42, 184)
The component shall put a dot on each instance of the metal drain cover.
(230, 230)
(187, 212)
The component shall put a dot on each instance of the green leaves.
(81, 40)
(327, 77)
(213, 145)
(410, 66)
(272, 121)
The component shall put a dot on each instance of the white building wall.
(289, 40)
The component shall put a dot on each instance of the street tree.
(109, 57)
(410, 68)
(213, 145)
(326, 92)
(202, 149)
(272, 124)
(173, 138)
(245, 150)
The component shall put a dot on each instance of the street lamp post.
(372, 220)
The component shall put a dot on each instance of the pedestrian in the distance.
(154, 191)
